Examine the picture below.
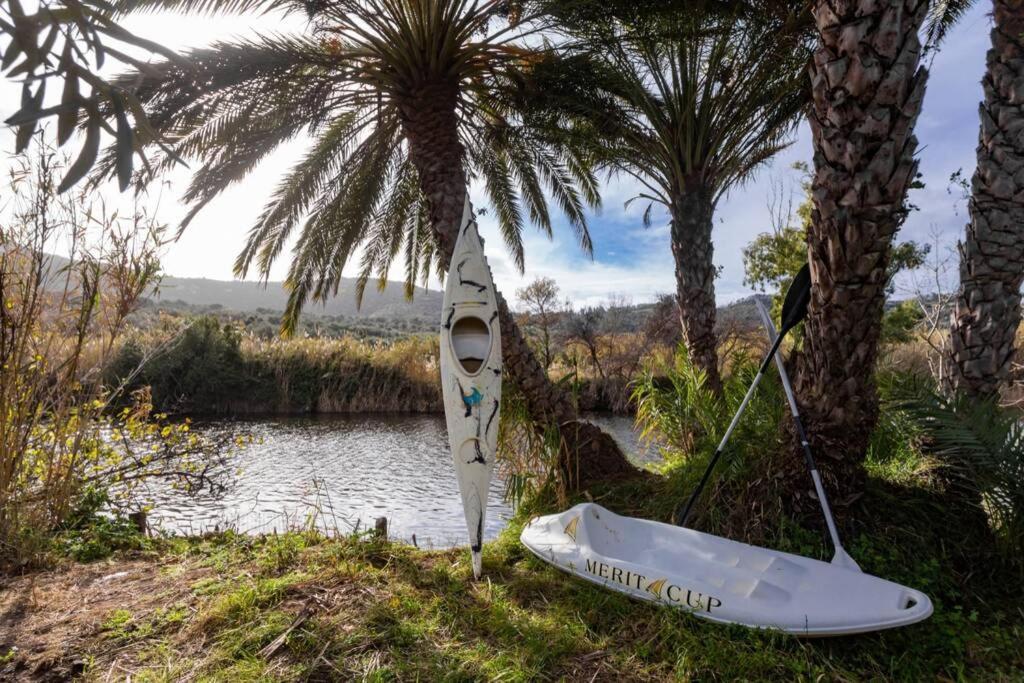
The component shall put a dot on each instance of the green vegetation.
(405, 101)
(772, 259)
(699, 100)
(87, 534)
(71, 444)
(226, 363)
(265, 321)
(298, 606)
(213, 368)
(676, 407)
(982, 446)
(357, 608)
(67, 41)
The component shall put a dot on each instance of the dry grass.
(354, 375)
(52, 617)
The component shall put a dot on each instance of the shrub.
(679, 412)
(88, 534)
(200, 367)
(676, 408)
(899, 322)
(214, 368)
(981, 445)
(61, 442)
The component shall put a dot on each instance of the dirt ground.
(50, 620)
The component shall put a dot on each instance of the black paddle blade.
(794, 308)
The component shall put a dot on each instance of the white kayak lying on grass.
(471, 375)
(719, 579)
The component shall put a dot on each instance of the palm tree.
(867, 90)
(988, 306)
(706, 96)
(404, 98)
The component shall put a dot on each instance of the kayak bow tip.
(478, 563)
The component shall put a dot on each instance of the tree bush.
(61, 440)
(201, 368)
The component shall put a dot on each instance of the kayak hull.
(718, 579)
(471, 371)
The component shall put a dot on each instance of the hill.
(242, 296)
(383, 314)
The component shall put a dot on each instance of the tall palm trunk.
(992, 254)
(431, 127)
(692, 216)
(867, 89)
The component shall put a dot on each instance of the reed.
(62, 447)
(349, 375)
(214, 368)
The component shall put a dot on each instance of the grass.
(378, 611)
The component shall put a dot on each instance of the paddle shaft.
(681, 519)
(801, 434)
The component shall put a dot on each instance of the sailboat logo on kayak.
(655, 587)
(570, 528)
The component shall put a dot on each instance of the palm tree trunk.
(692, 216)
(431, 127)
(867, 90)
(992, 254)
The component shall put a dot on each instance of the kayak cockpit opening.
(471, 343)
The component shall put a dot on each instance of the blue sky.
(636, 262)
(629, 260)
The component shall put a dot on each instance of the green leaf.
(141, 120)
(97, 46)
(31, 106)
(11, 53)
(51, 40)
(69, 99)
(87, 157)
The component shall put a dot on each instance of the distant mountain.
(743, 312)
(243, 296)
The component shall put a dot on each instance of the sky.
(630, 262)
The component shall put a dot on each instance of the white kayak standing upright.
(471, 375)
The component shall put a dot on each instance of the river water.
(340, 473)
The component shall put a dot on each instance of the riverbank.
(300, 606)
(211, 368)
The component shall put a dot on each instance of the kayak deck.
(471, 369)
(719, 579)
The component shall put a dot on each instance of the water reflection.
(340, 471)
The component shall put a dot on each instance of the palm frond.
(229, 105)
(337, 227)
(942, 16)
(565, 182)
(393, 227)
(295, 193)
(500, 186)
(705, 96)
(210, 6)
(984, 445)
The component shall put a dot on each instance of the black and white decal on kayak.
(471, 375)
